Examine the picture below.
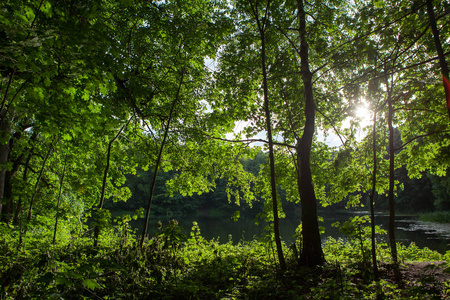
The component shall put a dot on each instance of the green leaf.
(91, 284)
(67, 137)
(47, 82)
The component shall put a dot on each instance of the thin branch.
(419, 109)
(7, 91)
(358, 80)
(249, 141)
(35, 18)
(420, 136)
(332, 51)
(332, 124)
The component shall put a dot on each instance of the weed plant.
(171, 265)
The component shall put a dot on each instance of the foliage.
(167, 82)
(441, 191)
(414, 253)
(359, 237)
(437, 216)
(172, 265)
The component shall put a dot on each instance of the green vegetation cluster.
(189, 96)
(172, 265)
(418, 195)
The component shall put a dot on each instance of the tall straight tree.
(262, 24)
(312, 253)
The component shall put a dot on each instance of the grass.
(437, 216)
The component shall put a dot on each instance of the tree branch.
(420, 136)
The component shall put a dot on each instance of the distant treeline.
(428, 193)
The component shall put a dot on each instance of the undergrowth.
(172, 265)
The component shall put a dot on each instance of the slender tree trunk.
(158, 160)
(391, 228)
(105, 177)
(19, 202)
(8, 203)
(271, 155)
(33, 197)
(439, 50)
(5, 131)
(38, 180)
(391, 188)
(262, 26)
(312, 254)
(372, 195)
(59, 200)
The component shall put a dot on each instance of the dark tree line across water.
(426, 194)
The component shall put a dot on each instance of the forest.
(173, 107)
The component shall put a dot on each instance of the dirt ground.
(418, 271)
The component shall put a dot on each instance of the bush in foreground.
(174, 266)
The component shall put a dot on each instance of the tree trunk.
(8, 205)
(391, 186)
(391, 228)
(5, 131)
(59, 200)
(158, 160)
(38, 180)
(271, 154)
(19, 202)
(372, 196)
(312, 254)
(105, 177)
(439, 50)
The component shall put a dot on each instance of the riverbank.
(173, 266)
(436, 216)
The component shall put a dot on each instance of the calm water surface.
(408, 229)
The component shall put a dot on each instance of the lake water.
(408, 229)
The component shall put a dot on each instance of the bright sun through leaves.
(363, 114)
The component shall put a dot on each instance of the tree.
(46, 77)
(439, 50)
(312, 254)
(262, 25)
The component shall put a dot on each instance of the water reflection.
(408, 229)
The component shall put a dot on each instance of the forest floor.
(425, 275)
(419, 280)
(171, 265)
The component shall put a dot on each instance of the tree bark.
(312, 254)
(19, 202)
(439, 50)
(391, 187)
(5, 131)
(8, 204)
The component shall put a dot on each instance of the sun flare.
(363, 114)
